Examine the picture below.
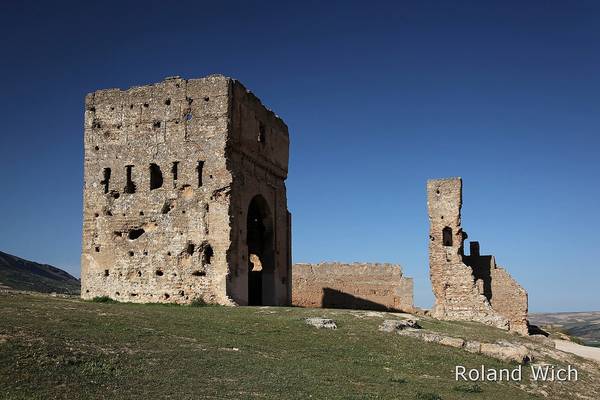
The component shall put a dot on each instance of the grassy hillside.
(19, 274)
(65, 348)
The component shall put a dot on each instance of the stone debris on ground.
(319, 323)
(393, 325)
(502, 350)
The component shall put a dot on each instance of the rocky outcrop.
(501, 349)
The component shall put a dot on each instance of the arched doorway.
(261, 261)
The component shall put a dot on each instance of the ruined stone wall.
(505, 295)
(358, 286)
(510, 300)
(467, 288)
(258, 154)
(160, 173)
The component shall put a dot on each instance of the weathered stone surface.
(452, 342)
(357, 286)
(394, 325)
(473, 287)
(184, 185)
(319, 323)
(501, 350)
(473, 346)
(507, 351)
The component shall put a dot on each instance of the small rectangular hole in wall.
(156, 178)
(174, 169)
(106, 179)
(447, 236)
(130, 186)
(199, 169)
(262, 133)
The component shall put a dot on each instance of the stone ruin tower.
(471, 288)
(184, 195)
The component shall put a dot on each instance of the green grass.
(103, 299)
(198, 303)
(57, 348)
(469, 388)
(428, 396)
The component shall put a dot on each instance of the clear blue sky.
(378, 96)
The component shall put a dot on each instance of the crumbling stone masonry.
(184, 195)
(357, 286)
(473, 287)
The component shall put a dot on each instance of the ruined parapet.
(472, 287)
(184, 184)
(355, 286)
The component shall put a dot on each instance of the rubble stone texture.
(358, 286)
(184, 192)
(321, 323)
(394, 325)
(471, 288)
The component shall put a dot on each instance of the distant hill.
(19, 274)
(583, 325)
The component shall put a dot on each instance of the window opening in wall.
(262, 136)
(199, 169)
(130, 186)
(207, 254)
(106, 179)
(190, 248)
(174, 169)
(447, 236)
(135, 233)
(156, 178)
